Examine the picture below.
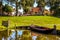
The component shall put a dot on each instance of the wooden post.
(8, 27)
(54, 27)
(54, 31)
(16, 32)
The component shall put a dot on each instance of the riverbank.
(45, 21)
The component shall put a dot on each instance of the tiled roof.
(35, 9)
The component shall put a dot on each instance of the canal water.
(25, 35)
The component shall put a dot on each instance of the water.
(25, 35)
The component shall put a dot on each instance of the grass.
(46, 21)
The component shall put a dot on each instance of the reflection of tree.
(38, 38)
(4, 34)
(26, 32)
(41, 38)
(26, 36)
(0, 37)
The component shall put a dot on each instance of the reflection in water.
(3, 34)
(12, 36)
(3, 38)
(34, 37)
(25, 35)
(20, 32)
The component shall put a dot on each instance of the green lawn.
(46, 21)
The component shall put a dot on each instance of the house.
(35, 11)
(20, 11)
(50, 12)
(46, 12)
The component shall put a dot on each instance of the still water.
(25, 35)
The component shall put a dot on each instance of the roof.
(35, 9)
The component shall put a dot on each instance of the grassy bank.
(46, 21)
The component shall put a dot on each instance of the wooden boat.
(58, 32)
(43, 30)
(40, 29)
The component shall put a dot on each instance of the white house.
(20, 11)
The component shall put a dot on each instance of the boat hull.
(49, 31)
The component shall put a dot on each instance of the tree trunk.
(1, 11)
(16, 7)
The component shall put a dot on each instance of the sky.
(35, 4)
(6, 2)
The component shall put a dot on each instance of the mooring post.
(54, 27)
(8, 26)
(54, 31)
(16, 32)
(32, 25)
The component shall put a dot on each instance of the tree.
(7, 8)
(17, 5)
(41, 3)
(1, 7)
(16, 2)
(55, 6)
(26, 4)
(1, 2)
